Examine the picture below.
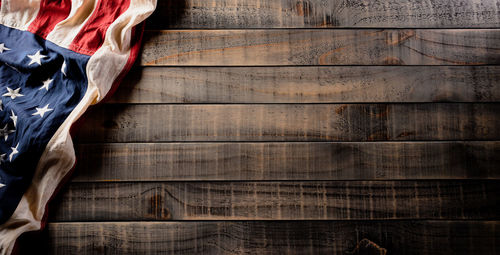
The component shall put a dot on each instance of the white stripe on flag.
(108, 61)
(65, 32)
(19, 13)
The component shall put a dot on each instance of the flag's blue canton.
(40, 84)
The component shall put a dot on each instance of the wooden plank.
(287, 161)
(332, 200)
(270, 237)
(321, 47)
(297, 122)
(320, 13)
(354, 84)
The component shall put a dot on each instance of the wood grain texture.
(321, 13)
(332, 200)
(269, 237)
(355, 84)
(274, 132)
(287, 161)
(321, 47)
(297, 122)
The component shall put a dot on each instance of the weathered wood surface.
(322, 47)
(296, 122)
(287, 161)
(321, 13)
(270, 237)
(310, 84)
(333, 200)
(256, 123)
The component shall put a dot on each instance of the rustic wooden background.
(295, 126)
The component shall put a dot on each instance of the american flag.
(57, 57)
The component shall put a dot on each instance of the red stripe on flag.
(91, 36)
(51, 12)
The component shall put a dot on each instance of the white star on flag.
(1, 105)
(14, 152)
(46, 84)
(2, 185)
(13, 93)
(42, 111)
(3, 48)
(14, 118)
(36, 58)
(5, 132)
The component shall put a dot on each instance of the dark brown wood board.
(318, 200)
(276, 237)
(310, 84)
(296, 122)
(287, 161)
(283, 47)
(320, 14)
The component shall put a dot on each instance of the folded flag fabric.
(57, 57)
